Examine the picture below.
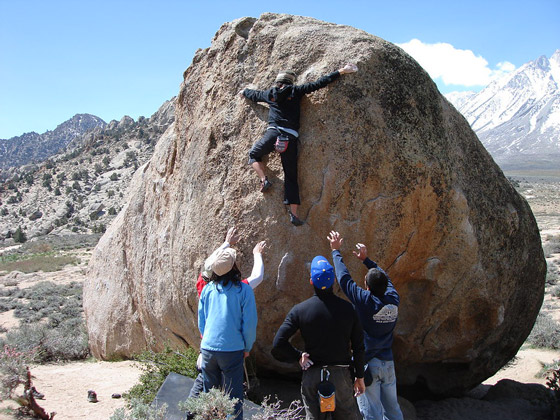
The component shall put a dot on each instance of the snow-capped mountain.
(517, 118)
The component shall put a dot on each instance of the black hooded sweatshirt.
(330, 329)
(284, 103)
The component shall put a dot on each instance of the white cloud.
(455, 66)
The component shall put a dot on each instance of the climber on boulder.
(283, 124)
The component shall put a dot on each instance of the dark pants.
(224, 369)
(346, 405)
(264, 146)
(197, 387)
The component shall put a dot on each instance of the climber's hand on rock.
(348, 68)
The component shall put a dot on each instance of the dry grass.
(46, 262)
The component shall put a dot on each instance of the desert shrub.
(67, 341)
(156, 367)
(275, 411)
(114, 176)
(130, 158)
(51, 322)
(19, 236)
(551, 245)
(8, 305)
(545, 333)
(99, 228)
(212, 405)
(547, 368)
(140, 410)
(556, 292)
(552, 273)
(46, 300)
(13, 370)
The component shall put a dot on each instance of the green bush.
(19, 236)
(545, 333)
(156, 367)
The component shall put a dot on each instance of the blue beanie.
(322, 273)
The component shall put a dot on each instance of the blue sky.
(123, 57)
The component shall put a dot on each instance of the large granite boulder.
(384, 159)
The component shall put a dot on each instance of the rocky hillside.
(81, 189)
(34, 148)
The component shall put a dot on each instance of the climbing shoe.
(92, 396)
(36, 394)
(265, 185)
(294, 220)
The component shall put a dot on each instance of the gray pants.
(346, 405)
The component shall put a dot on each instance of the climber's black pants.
(264, 146)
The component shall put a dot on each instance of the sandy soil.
(66, 388)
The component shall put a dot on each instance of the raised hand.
(259, 247)
(232, 236)
(362, 252)
(335, 239)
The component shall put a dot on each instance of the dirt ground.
(66, 388)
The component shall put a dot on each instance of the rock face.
(384, 159)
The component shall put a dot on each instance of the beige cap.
(225, 259)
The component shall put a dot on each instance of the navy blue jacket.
(378, 316)
(284, 104)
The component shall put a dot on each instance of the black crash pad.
(176, 388)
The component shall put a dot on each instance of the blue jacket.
(378, 316)
(227, 317)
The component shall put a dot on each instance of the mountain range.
(32, 147)
(80, 189)
(517, 118)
